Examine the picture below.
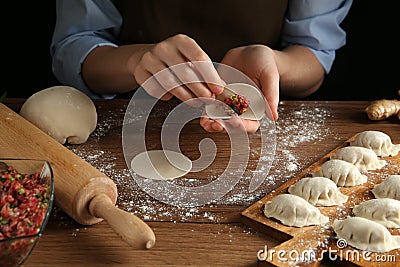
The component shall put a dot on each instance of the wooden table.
(209, 235)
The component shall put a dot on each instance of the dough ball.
(63, 112)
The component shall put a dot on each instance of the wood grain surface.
(209, 235)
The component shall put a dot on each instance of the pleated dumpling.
(379, 142)
(341, 172)
(363, 158)
(365, 234)
(318, 191)
(292, 210)
(388, 188)
(385, 211)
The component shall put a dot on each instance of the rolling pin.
(80, 190)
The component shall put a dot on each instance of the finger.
(210, 76)
(186, 95)
(269, 82)
(185, 83)
(151, 86)
(210, 125)
(167, 97)
(162, 80)
(206, 123)
(141, 74)
(236, 123)
(217, 126)
(188, 74)
(166, 81)
(155, 89)
(250, 126)
(201, 62)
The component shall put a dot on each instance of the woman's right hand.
(180, 68)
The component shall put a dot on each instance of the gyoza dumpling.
(363, 158)
(292, 210)
(341, 172)
(378, 141)
(365, 234)
(389, 188)
(385, 211)
(318, 191)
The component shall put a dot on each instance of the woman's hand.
(258, 63)
(180, 68)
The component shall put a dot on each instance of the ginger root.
(383, 109)
(398, 113)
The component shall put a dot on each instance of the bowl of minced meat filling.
(26, 200)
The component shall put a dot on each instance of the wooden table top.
(207, 235)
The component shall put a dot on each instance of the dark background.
(367, 68)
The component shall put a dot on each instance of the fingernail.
(218, 89)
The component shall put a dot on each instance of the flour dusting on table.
(304, 125)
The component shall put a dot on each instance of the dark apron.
(216, 26)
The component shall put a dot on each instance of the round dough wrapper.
(255, 111)
(63, 112)
(161, 164)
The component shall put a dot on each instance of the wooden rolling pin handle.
(129, 227)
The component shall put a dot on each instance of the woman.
(105, 48)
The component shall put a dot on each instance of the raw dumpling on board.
(363, 158)
(379, 142)
(292, 210)
(365, 234)
(389, 188)
(318, 191)
(341, 172)
(385, 211)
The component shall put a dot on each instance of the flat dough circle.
(256, 110)
(63, 112)
(161, 164)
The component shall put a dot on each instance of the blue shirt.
(82, 25)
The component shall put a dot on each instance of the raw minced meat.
(237, 103)
(24, 201)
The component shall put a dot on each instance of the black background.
(366, 68)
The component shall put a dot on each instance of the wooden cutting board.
(298, 242)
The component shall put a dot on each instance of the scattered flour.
(304, 125)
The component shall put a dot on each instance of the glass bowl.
(26, 201)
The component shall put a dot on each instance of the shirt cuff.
(325, 57)
(67, 64)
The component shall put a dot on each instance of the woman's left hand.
(258, 63)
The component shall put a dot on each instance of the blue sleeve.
(81, 26)
(315, 24)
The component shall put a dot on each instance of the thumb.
(269, 83)
(272, 110)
